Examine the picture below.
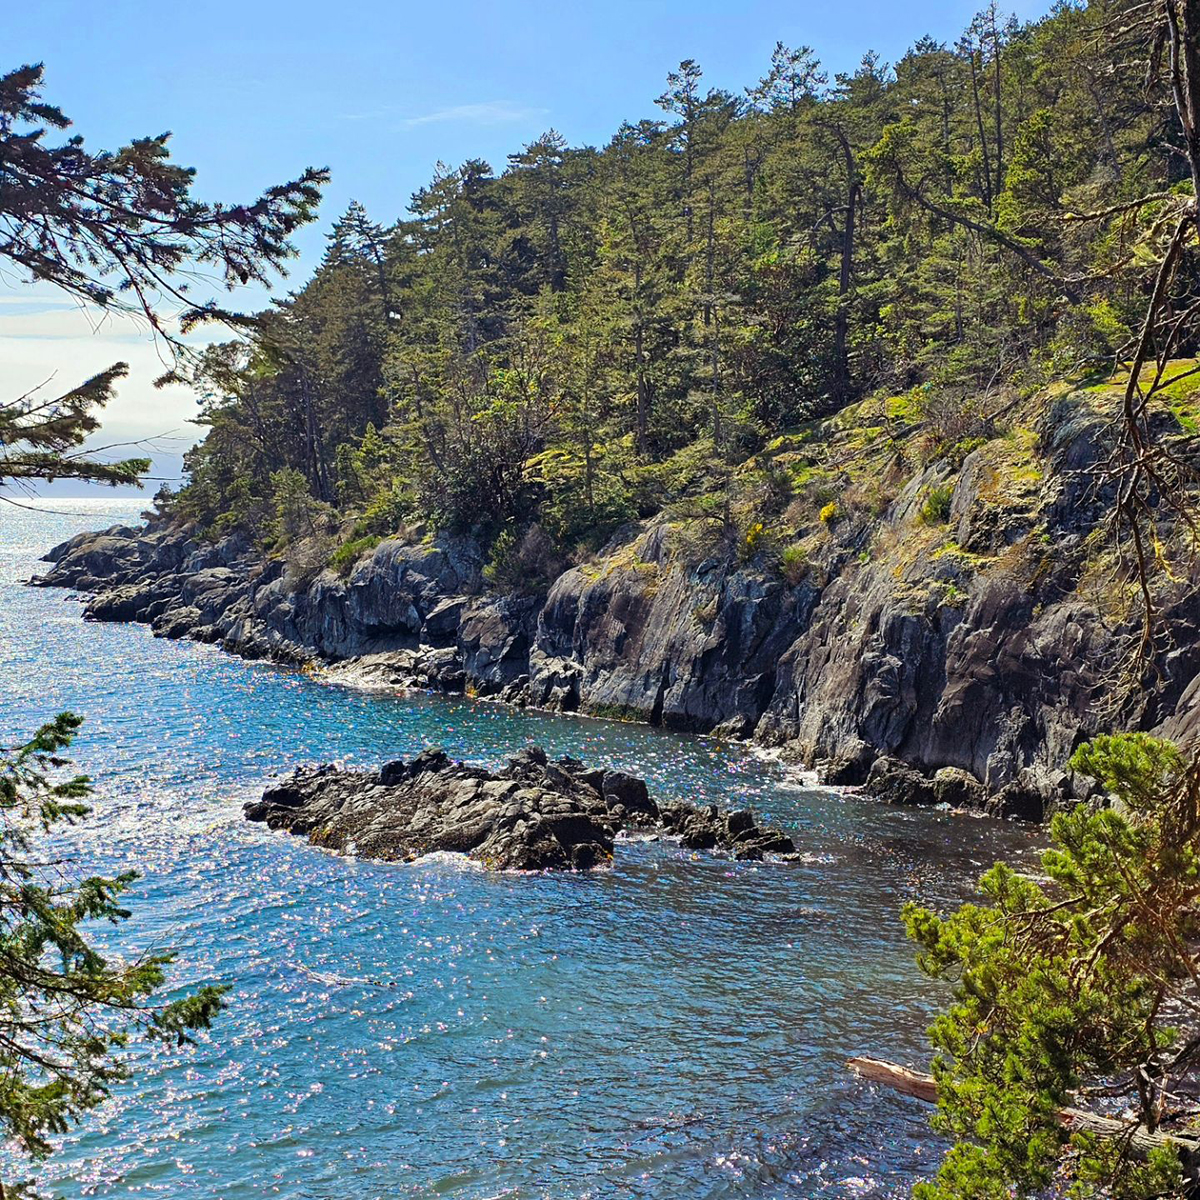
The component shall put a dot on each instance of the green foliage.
(589, 336)
(114, 228)
(952, 595)
(117, 230)
(503, 570)
(387, 509)
(957, 453)
(68, 1010)
(298, 514)
(1073, 979)
(935, 510)
(346, 555)
(1129, 766)
(793, 563)
(521, 561)
(40, 437)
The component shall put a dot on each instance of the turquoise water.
(675, 1027)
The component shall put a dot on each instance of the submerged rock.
(535, 814)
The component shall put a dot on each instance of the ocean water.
(673, 1028)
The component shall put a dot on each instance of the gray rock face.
(646, 637)
(534, 815)
(974, 646)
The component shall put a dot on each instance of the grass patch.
(793, 564)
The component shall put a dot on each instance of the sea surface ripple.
(674, 1028)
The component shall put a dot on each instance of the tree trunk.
(987, 168)
(710, 321)
(385, 291)
(314, 454)
(1183, 23)
(999, 113)
(643, 391)
(687, 176)
(841, 328)
(1140, 1140)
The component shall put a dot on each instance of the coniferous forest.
(542, 350)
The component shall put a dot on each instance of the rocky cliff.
(949, 629)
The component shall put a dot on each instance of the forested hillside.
(542, 353)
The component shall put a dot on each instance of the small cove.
(675, 1027)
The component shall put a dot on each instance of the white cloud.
(491, 112)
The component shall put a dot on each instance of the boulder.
(895, 782)
(958, 788)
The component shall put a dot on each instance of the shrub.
(522, 562)
(936, 509)
(387, 509)
(951, 417)
(957, 454)
(694, 540)
(753, 541)
(830, 513)
(344, 557)
(793, 563)
(502, 565)
(952, 595)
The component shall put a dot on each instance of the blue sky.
(377, 91)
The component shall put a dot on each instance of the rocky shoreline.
(533, 815)
(960, 663)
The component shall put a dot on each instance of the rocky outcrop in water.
(976, 642)
(533, 815)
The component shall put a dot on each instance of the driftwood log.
(1138, 1138)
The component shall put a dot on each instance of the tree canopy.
(976, 219)
(121, 230)
(1079, 984)
(116, 230)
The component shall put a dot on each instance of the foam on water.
(675, 1027)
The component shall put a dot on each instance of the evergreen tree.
(105, 227)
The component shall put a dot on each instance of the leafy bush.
(830, 513)
(952, 595)
(793, 563)
(936, 509)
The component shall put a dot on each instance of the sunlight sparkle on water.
(674, 1027)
